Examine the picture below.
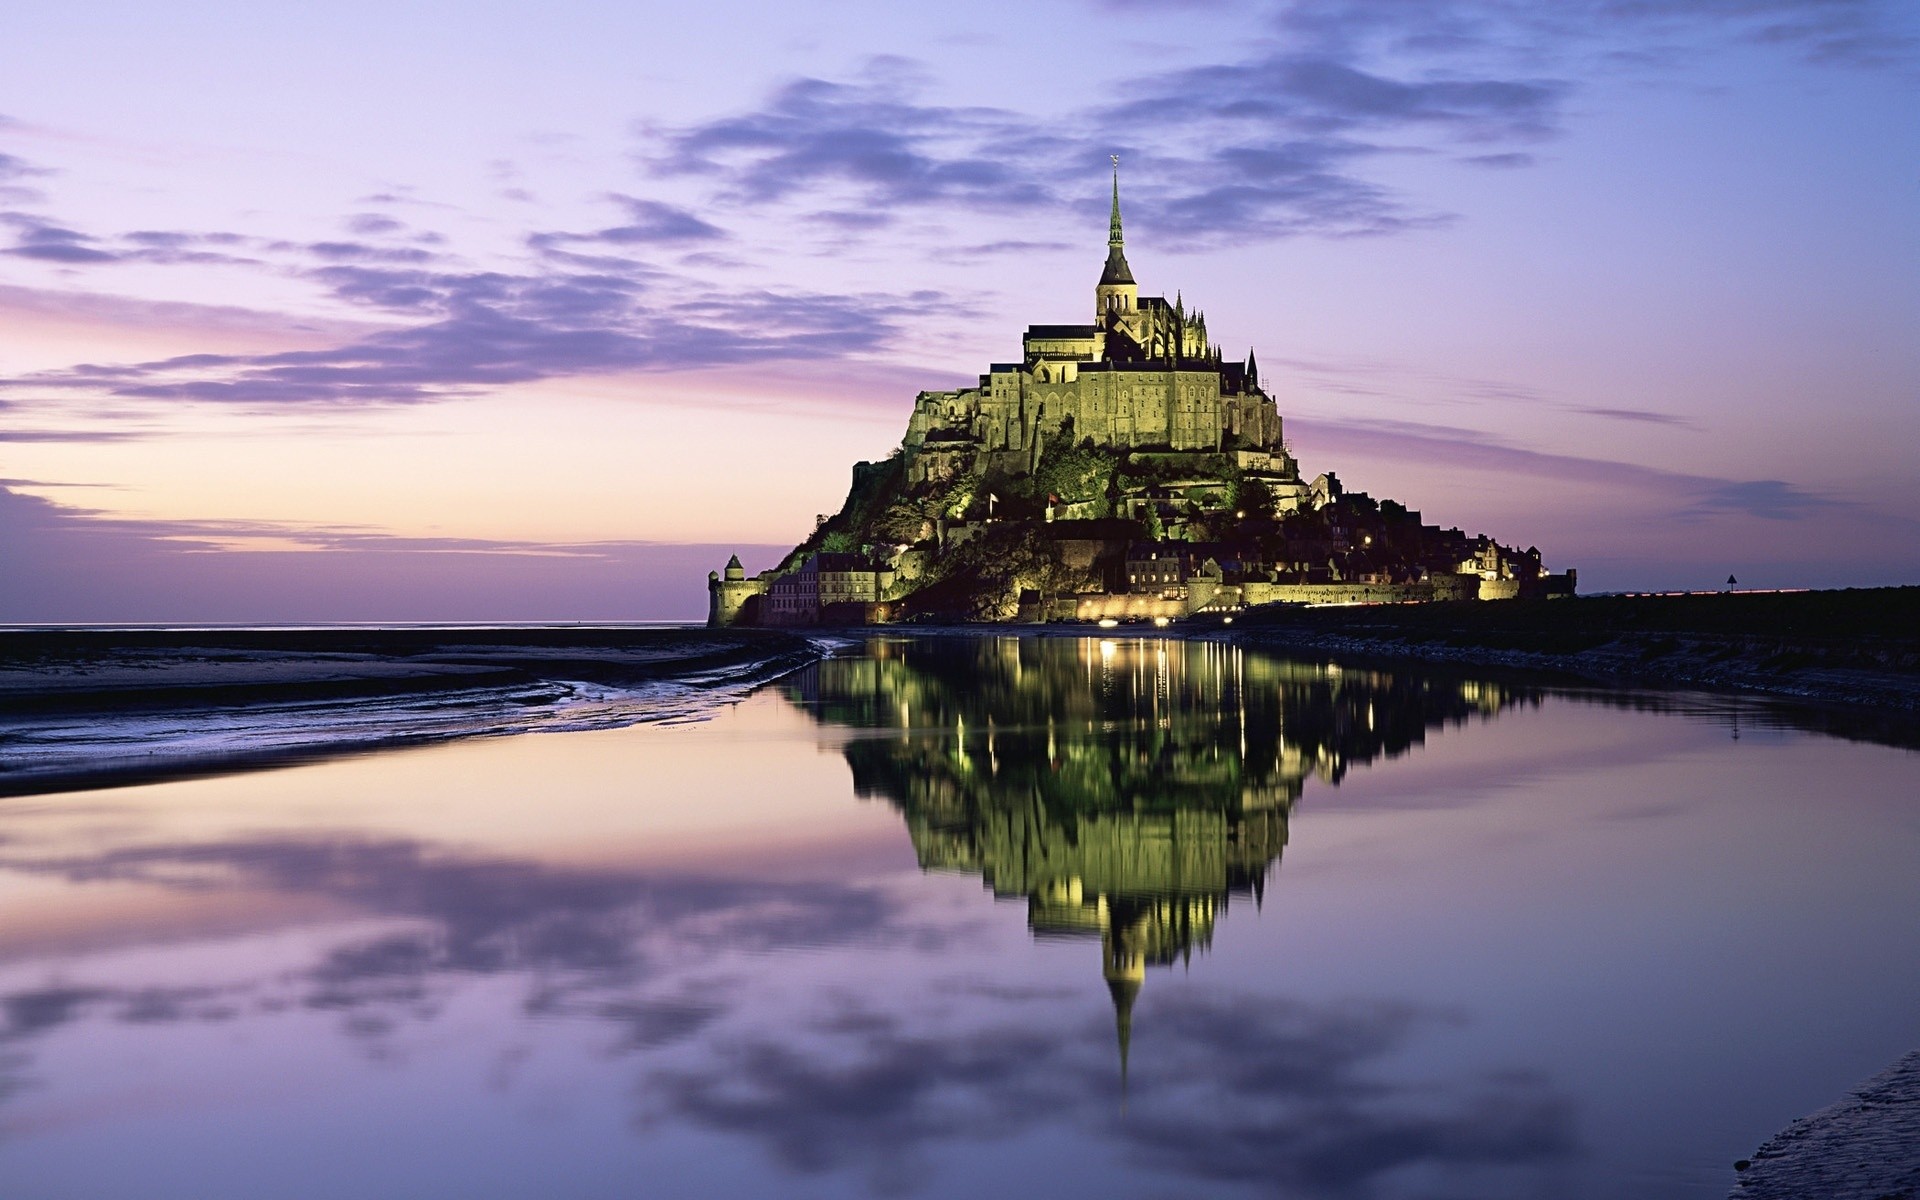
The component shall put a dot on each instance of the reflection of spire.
(1124, 991)
(1135, 789)
(1125, 968)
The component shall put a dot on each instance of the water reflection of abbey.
(1129, 789)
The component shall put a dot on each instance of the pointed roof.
(1253, 369)
(1124, 991)
(1117, 270)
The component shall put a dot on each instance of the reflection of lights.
(1107, 649)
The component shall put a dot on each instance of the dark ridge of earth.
(1852, 647)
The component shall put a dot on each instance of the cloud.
(13, 169)
(37, 238)
(364, 252)
(568, 314)
(872, 136)
(40, 238)
(1266, 146)
(1506, 161)
(70, 435)
(1691, 495)
(1006, 246)
(1320, 94)
(1851, 33)
(371, 224)
(1271, 143)
(482, 330)
(1771, 499)
(649, 223)
(1640, 415)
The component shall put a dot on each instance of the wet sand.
(1866, 1147)
(83, 707)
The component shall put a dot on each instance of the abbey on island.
(1122, 468)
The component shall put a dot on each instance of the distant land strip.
(1853, 647)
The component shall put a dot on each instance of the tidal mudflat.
(83, 706)
(952, 917)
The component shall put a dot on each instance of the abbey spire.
(1117, 271)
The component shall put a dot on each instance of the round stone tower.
(732, 598)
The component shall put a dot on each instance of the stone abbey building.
(1141, 375)
(1124, 469)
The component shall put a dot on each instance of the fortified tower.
(733, 598)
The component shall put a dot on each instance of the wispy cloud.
(38, 238)
(648, 223)
(1691, 496)
(488, 330)
(872, 136)
(13, 170)
(1846, 33)
(1268, 145)
(1278, 141)
(1640, 415)
(1772, 499)
(565, 314)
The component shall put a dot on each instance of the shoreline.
(82, 708)
(1865, 1146)
(1855, 649)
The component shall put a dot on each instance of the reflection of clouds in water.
(1229, 1088)
(897, 1040)
(1239, 1089)
(590, 942)
(484, 915)
(827, 1077)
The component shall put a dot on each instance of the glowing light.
(1108, 623)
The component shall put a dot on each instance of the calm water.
(964, 918)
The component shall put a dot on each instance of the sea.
(974, 916)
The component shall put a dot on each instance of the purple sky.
(369, 312)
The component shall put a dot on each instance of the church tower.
(1117, 294)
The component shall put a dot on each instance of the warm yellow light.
(1162, 622)
(1108, 623)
